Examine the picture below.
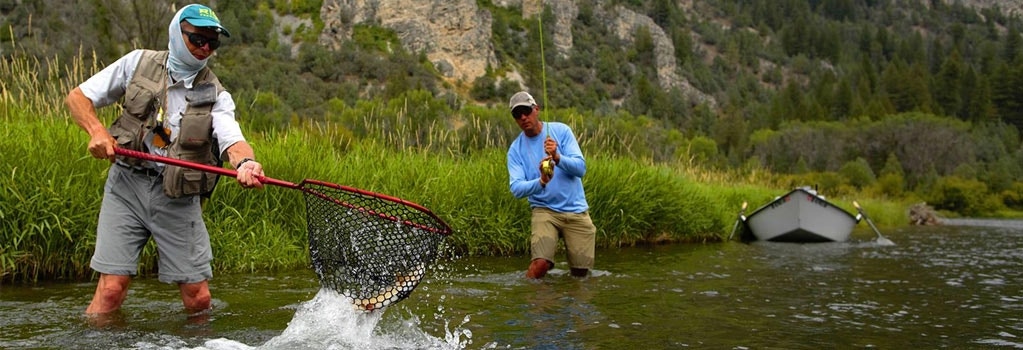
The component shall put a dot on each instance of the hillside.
(469, 42)
(840, 92)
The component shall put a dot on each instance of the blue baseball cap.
(202, 16)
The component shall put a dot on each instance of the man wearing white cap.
(546, 166)
(173, 106)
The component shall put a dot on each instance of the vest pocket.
(124, 134)
(128, 131)
(195, 131)
(179, 182)
(142, 104)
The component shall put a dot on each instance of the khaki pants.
(576, 228)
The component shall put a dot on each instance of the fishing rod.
(547, 166)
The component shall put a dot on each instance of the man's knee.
(111, 290)
(196, 296)
(538, 268)
(199, 302)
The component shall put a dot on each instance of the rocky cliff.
(456, 34)
(1013, 7)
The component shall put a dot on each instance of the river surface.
(948, 287)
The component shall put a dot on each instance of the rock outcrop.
(625, 24)
(923, 214)
(1009, 7)
(454, 34)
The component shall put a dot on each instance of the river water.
(953, 287)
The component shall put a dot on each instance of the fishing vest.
(143, 99)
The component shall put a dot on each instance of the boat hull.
(802, 217)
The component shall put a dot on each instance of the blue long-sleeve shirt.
(564, 193)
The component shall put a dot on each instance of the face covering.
(181, 63)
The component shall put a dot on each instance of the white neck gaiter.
(181, 63)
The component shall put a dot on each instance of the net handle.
(271, 181)
(445, 230)
(196, 166)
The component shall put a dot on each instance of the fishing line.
(543, 67)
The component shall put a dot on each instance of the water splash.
(884, 242)
(329, 321)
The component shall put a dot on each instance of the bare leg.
(195, 296)
(111, 320)
(110, 294)
(538, 268)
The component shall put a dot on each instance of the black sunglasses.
(199, 40)
(520, 111)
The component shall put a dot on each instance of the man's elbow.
(69, 100)
(76, 98)
(518, 194)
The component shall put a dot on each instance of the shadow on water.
(949, 286)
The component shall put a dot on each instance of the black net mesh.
(369, 247)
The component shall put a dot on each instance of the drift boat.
(800, 216)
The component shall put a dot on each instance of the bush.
(964, 196)
(1013, 196)
(830, 184)
(702, 149)
(890, 185)
(858, 173)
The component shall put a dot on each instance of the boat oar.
(737, 220)
(880, 238)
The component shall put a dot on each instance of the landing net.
(369, 247)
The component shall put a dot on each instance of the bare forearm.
(242, 158)
(238, 152)
(101, 144)
(83, 112)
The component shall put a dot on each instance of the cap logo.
(205, 12)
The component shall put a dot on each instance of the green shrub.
(858, 173)
(964, 196)
(1013, 196)
(702, 149)
(889, 185)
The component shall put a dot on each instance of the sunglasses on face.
(199, 40)
(521, 111)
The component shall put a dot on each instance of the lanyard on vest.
(162, 132)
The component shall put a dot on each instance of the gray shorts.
(134, 208)
(576, 228)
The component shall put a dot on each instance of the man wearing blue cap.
(173, 106)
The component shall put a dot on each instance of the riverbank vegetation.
(454, 166)
(887, 103)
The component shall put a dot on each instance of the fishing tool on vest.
(370, 247)
(161, 134)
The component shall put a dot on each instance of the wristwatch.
(243, 162)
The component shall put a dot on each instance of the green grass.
(50, 188)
